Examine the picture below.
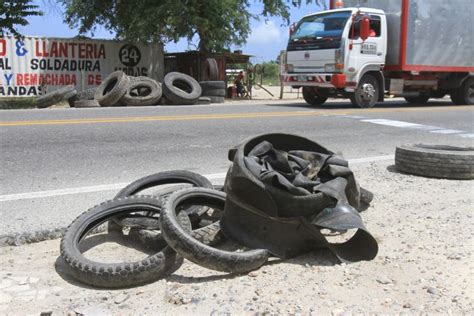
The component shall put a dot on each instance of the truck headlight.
(329, 67)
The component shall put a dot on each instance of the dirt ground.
(424, 265)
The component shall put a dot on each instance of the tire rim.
(367, 92)
(470, 92)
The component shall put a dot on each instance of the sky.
(265, 42)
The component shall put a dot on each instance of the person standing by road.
(239, 84)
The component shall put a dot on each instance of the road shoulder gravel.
(423, 226)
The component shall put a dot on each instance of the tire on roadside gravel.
(436, 161)
(203, 100)
(162, 178)
(208, 234)
(112, 89)
(86, 104)
(87, 94)
(149, 92)
(55, 96)
(116, 275)
(214, 93)
(215, 99)
(192, 249)
(181, 89)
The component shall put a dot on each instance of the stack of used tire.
(214, 90)
(118, 89)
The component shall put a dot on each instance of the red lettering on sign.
(90, 50)
(94, 80)
(41, 50)
(45, 79)
(3, 47)
(82, 50)
(73, 49)
(63, 51)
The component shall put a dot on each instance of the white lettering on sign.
(368, 48)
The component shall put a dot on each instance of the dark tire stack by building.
(215, 90)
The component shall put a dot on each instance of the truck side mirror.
(364, 28)
(292, 28)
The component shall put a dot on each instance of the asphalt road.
(56, 163)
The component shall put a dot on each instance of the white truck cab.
(342, 52)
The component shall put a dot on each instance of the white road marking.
(117, 186)
(447, 131)
(429, 128)
(467, 135)
(390, 123)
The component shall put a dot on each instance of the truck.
(366, 50)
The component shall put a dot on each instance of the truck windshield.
(325, 30)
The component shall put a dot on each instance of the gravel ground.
(423, 226)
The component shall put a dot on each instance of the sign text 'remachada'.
(32, 66)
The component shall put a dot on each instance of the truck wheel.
(313, 97)
(367, 93)
(465, 94)
(417, 100)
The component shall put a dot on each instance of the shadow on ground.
(390, 104)
(320, 257)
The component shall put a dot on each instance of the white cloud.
(265, 33)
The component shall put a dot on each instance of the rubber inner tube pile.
(283, 196)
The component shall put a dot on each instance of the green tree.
(14, 13)
(217, 23)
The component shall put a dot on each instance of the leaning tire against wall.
(436, 161)
(142, 92)
(112, 89)
(211, 69)
(55, 97)
(181, 89)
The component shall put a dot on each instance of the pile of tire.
(175, 223)
(118, 89)
(214, 90)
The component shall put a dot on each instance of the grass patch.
(17, 103)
